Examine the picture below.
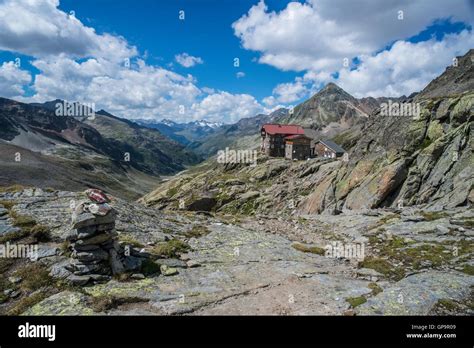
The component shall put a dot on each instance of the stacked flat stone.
(95, 250)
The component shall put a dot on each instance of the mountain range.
(189, 133)
(424, 159)
(103, 151)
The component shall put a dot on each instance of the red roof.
(296, 136)
(289, 129)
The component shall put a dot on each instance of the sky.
(222, 60)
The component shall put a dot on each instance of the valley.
(388, 231)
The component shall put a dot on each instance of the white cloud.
(319, 34)
(12, 80)
(188, 61)
(240, 74)
(223, 106)
(405, 68)
(290, 92)
(77, 64)
(317, 37)
(38, 28)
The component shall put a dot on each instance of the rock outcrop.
(421, 159)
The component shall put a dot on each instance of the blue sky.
(287, 51)
(206, 32)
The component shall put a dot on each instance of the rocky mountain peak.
(457, 78)
(333, 91)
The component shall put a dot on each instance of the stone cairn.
(95, 248)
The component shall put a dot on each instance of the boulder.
(89, 219)
(132, 263)
(168, 271)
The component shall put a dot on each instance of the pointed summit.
(332, 88)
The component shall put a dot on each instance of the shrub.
(376, 289)
(27, 302)
(7, 204)
(22, 221)
(127, 239)
(197, 231)
(12, 188)
(41, 233)
(356, 301)
(170, 249)
(309, 249)
(35, 276)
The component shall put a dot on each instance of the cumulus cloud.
(320, 34)
(39, 29)
(233, 106)
(322, 38)
(405, 68)
(12, 80)
(187, 60)
(288, 92)
(142, 91)
(78, 64)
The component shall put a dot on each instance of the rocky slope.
(331, 113)
(149, 150)
(39, 148)
(414, 262)
(425, 160)
(389, 232)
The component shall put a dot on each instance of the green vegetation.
(171, 192)
(469, 223)
(448, 304)
(427, 252)
(376, 289)
(28, 226)
(23, 221)
(129, 240)
(170, 249)
(433, 215)
(468, 269)
(383, 266)
(34, 275)
(384, 220)
(7, 204)
(426, 142)
(27, 302)
(12, 188)
(197, 231)
(104, 303)
(356, 301)
(65, 248)
(405, 255)
(12, 236)
(40, 233)
(309, 249)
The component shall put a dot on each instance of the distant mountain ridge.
(103, 151)
(423, 160)
(184, 133)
